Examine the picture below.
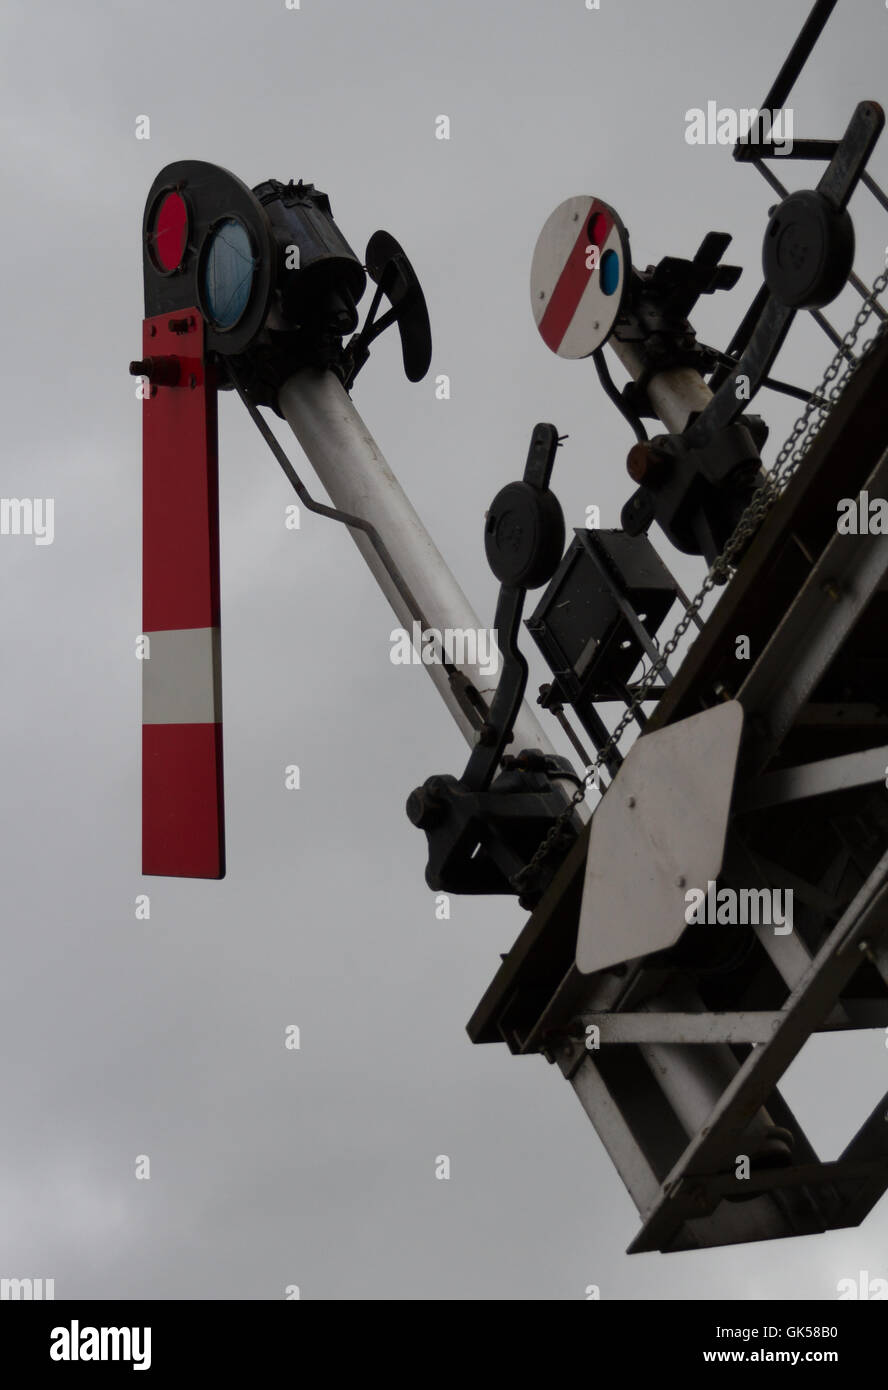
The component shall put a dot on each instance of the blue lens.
(610, 271)
(229, 266)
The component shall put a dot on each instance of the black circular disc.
(808, 250)
(524, 535)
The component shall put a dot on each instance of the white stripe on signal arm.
(182, 677)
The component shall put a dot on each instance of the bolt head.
(645, 462)
(422, 810)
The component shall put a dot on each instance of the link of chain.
(794, 449)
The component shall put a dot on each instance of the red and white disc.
(579, 275)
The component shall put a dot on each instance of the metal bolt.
(680, 881)
(630, 802)
(645, 462)
(424, 808)
(831, 589)
(160, 371)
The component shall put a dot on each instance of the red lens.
(170, 232)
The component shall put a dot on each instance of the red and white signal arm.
(182, 797)
(579, 276)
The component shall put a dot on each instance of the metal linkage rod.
(319, 508)
(870, 183)
(795, 60)
(799, 54)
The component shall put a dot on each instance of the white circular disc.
(579, 275)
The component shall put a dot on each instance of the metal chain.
(796, 446)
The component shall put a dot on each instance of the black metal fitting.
(479, 840)
(160, 371)
(482, 828)
(696, 494)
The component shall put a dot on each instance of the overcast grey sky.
(121, 1037)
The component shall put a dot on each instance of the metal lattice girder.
(537, 982)
(812, 631)
(715, 1148)
(822, 766)
(868, 1145)
(861, 769)
(640, 1132)
(802, 522)
(754, 1027)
